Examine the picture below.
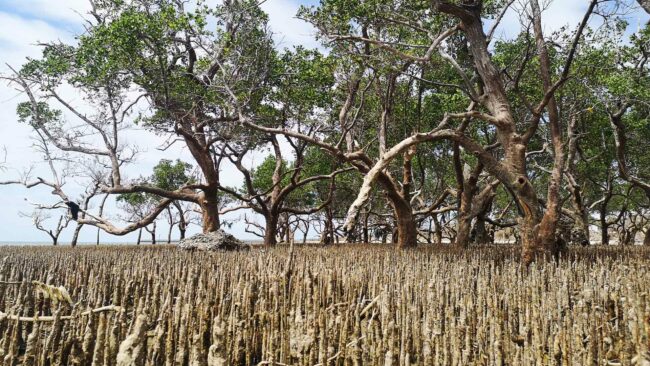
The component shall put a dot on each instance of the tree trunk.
(328, 231)
(182, 224)
(482, 236)
(604, 227)
(304, 237)
(407, 233)
(287, 229)
(437, 230)
(645, 4)
(529, 221)
(153, 234)
(75, 236)
(270, 229)
(182, 231)
(582, 227)
(463, 229)
(101, 212)
(631, 237)
(646, 238)
(548, 239)
(528, 227)
(209, 203)
(533, 242)
(366, 236)
(169, 234)
(139, 237)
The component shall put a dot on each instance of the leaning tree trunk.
(75, 236)
(182, 224)
(139, 237)
(182, 229)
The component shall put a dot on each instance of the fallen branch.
(49, 318)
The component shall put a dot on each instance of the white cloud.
(289, 30)
(19, 37)
(66, 11)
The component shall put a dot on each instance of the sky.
(26, 23)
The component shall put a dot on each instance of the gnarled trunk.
(529, 220)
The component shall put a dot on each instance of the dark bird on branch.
(74, 209)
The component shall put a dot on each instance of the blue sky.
(24, 23)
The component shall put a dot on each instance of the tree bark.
(366, 234)
(75, 236)
(407, 233)
(209, 203)
(327, 237)
(270, 229)
(437, 230)
(181, 228)
(581, 212)
(646, 238)
(548, 240)
(481, 234)
(463, 229)
(139, 237)
(182, 224)
(153, 234)
(604, 228)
